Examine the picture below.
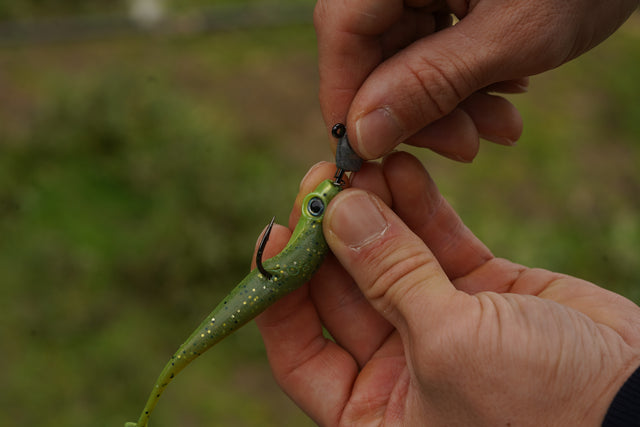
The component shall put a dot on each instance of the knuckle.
(319, 13)
(399, 276)
(438, 85)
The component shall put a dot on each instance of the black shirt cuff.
(625, 408)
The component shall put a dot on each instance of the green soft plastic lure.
(270, 281)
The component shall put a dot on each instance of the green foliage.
(29, 9)
(12, 9)
(121, 200)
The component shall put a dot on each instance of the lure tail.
(239, 307)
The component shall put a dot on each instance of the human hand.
(428, 326)
(387, 71)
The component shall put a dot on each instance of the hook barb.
(261, 246)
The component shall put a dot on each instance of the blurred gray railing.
(213, 19)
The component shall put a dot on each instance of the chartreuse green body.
(289, 270)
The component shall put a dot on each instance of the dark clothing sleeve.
(625, 408)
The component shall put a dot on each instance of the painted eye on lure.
(315, 206)
(270, 281)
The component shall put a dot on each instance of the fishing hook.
(261, 246)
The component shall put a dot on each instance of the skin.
(429, 326)
(289, 269)
(396, 71)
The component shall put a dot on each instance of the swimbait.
(269, 282)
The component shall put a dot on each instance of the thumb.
(430, 78)
(392, 266)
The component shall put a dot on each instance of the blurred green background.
(138, 164)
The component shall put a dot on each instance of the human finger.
(346, 314)
(353, 38)
(341, 307)
(454, 136)
(495, 118)
(457, 135)
(428, 79)
(303, 361)
(392, 266)
(414, 24)
(343, 69)
(301, 358)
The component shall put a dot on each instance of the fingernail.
(502, 140)
(377, 133)
(357, 220)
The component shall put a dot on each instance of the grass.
(135, 175)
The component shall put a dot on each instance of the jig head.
(270, 281)
(346, 158)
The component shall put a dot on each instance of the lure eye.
(315, 206)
